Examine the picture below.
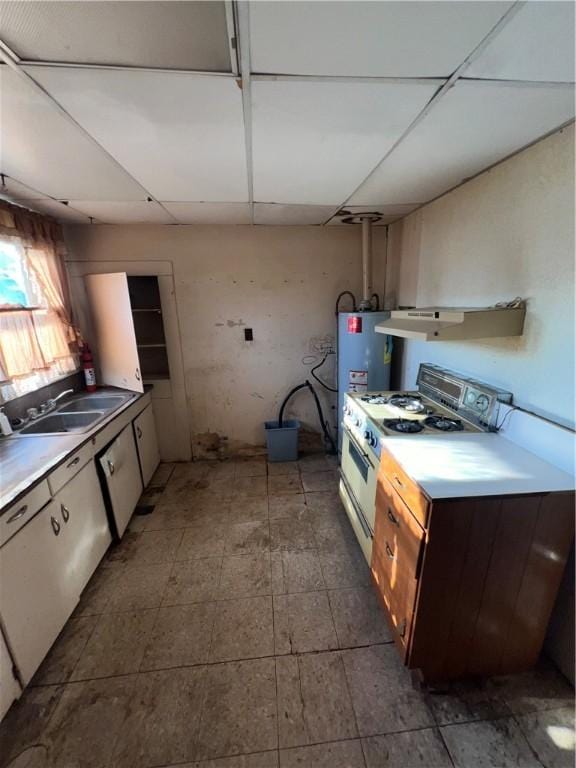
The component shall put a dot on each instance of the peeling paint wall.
(282, 282)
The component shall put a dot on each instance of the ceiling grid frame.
(242, 19)
(238, 27)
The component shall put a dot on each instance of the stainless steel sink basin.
(58, 423)
(94, 403)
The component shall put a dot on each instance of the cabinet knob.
(55, 525)
(73, 462)
(389, 552)
(139, 432)
(65, 513)
(111, 466)
(392, 518)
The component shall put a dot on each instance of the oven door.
(358, 490)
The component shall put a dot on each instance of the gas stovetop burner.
(409, 403)
(375, 399)
(405, 426)
(444, 423)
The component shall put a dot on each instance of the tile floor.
(235, 627)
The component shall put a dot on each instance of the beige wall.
(280, 281)
(507, 233)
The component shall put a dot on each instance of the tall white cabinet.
(141, 297)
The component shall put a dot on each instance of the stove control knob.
(357, 421)
(368, 435)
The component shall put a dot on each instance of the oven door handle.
(357, 508)
(365, 457)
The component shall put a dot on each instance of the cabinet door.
(9, 686)
(83, 513)
(37, 594)
(396, 559)
(122, 471)
(145, 432)
(116, 353)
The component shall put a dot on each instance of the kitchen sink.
(57, 423)
(94, 403)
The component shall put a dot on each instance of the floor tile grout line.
(217, 662)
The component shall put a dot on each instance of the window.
(14, 290)
(36, 335)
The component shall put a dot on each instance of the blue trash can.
(282, 442)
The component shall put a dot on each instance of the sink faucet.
(51, 402)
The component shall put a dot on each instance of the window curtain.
(38, 344)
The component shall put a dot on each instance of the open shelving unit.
(149, 326)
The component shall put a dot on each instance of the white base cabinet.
(9, 687)
(147, 444)
(45, 567)
(123, 479)
(84, 514)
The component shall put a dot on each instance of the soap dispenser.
(5, 427)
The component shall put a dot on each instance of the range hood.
(454, 323)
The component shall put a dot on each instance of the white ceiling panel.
(45, 151)
(473, 126)
(122, 212)
(291, 215)
(536, 44)
(314, 142)
(210, 213)
(389, 213)
(180, 135)
(181, 35)
(16, 191)
(64, 213)
(392, 39)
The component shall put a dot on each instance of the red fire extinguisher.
(88, 366)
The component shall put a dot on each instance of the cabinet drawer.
(396, 555)
(410, 491)
(70, 467)
(24, 510)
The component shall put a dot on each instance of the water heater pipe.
(366, 302)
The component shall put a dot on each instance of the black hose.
(319, 380)
(346, 293)
(327, 434)
(375, 296)
(288, 396)
(325, 431)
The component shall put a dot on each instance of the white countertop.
(483, 464)
(25, 460)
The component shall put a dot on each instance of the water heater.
(364, 356)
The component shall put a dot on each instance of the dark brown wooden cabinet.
(468, 585)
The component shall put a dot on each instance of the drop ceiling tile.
(473, 126)
(180, 135)
(314, 142)
(388, 213)
(294, 215)
(392, 39)
(45, 151)
(122, 212)
(185, 35)
(16, 191)
(210, 213)
(58, 210)
(536, 44)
